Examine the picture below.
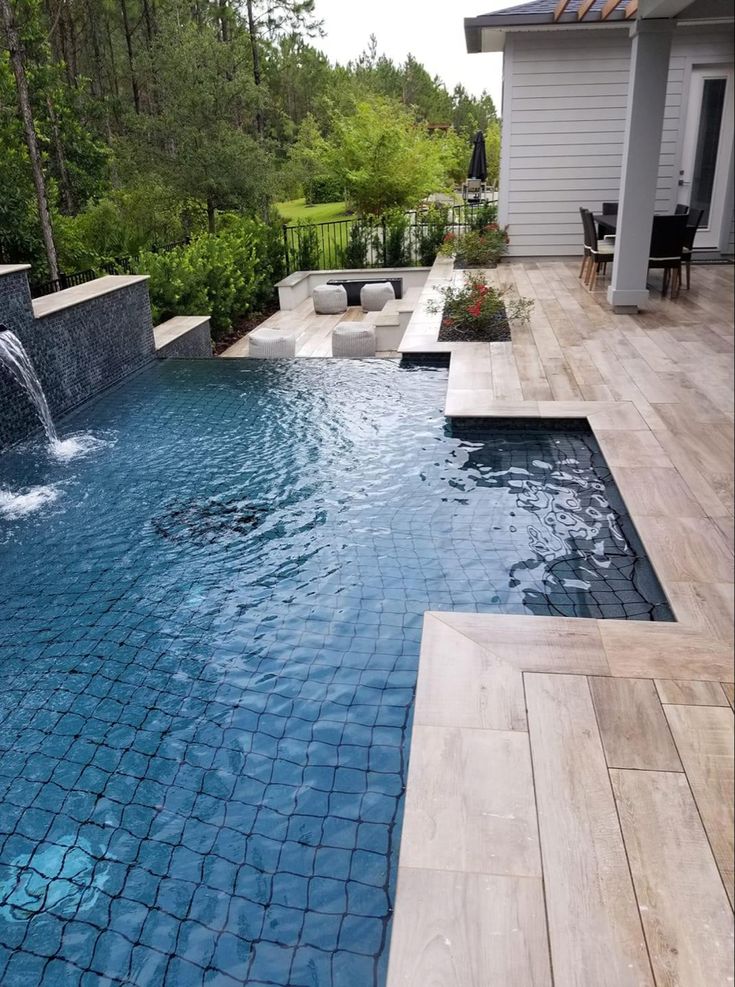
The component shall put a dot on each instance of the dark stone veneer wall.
(77, 351)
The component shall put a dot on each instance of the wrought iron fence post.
(385, 249)
(285, 248)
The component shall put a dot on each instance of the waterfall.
(14, 357)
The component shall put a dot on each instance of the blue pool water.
(209, 636)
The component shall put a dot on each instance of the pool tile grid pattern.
(205, 712)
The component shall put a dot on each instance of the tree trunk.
(149, 26)
(24, 104)
(131, 60)
(257, 78)
(97, 83)
(67, 197)
(224, 25)
(211, 215)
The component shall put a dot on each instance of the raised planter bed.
(496, 330)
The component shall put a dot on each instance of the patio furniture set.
(351, 340)
(672, 242)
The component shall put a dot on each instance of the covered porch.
(624, 100)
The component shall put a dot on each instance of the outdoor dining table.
(606, 223)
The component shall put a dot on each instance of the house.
(606, 100)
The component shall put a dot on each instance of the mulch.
(495, 331)
(242, 327)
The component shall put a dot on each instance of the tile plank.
(691, 693)
(468, 930)
(470, 803)
(684, 909)
(460, 684)
(704, 737)
(693, 550)
(632, 724)
(594, 926)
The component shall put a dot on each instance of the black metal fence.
(406, 240)
(409, 239)
(119, 265)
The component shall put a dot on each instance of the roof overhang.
(488, 32)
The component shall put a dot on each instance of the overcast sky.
(431, 30)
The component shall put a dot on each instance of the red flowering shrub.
(478, 304)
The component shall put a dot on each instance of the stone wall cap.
(13, 268)
(166, 332)
(49, 304)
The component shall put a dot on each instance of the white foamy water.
(17, 504)
(76, 446)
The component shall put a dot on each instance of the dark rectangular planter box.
(354, 286)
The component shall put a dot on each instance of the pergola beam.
(584, 8)
(560, 8)
(608, 8)
(631, 9)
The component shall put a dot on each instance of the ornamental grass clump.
(476, 311)
(477, 248)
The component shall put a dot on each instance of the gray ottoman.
(329, 299)
(353, 340)
(374, 297)
(272, 344)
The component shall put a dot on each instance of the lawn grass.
(296, 210)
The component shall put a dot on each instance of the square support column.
(649, 73)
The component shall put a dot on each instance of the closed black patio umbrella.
(478, 161)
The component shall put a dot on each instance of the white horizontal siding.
(564, 107)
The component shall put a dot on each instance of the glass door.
(706, 151)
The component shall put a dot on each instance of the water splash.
(21, 504)
(13, 356)
(77, 446)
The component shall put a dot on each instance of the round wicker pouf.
(329, 299)
(353, 340)
(374, 297)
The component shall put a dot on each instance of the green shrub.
(482, 216)
(477, 248)
(226, 276)
(433, 230)
(393, 242)
(308, 255)
(357, 252)
(323, 189)
(123, 223)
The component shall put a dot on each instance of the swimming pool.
(208, 647)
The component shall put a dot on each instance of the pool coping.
(472, 666)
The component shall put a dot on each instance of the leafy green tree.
(384, 158)
(470, 114)
(201, 141)
(492, 149)
(309, 158)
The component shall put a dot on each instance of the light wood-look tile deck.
(601, 749)
(314, 332)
